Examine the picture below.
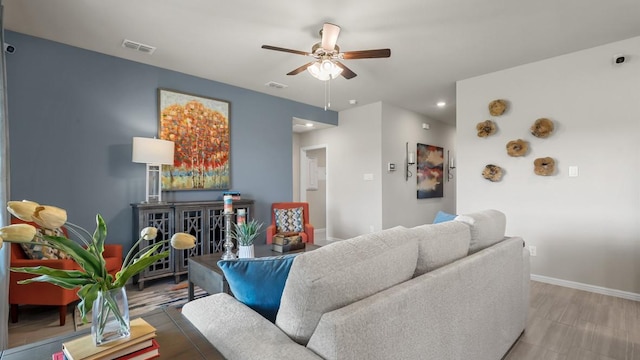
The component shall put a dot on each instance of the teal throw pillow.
(442, 216)
(258, 282)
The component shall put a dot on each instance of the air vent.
(273, 84)
(147, 49)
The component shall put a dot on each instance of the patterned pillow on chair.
(288, 220)
(40, 251)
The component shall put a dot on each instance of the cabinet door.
(161, 219)
(216, 229)
(191, 220)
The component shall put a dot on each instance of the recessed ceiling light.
(353, 102)
(441, 104)
(308, 125)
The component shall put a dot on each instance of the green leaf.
(88, 294)
(67, 283)
(82, 256)
(137, 266)
(245, 232)
(97, 247)
(43, 270)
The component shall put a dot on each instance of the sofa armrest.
(238, 332)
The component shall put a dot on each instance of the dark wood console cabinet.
(202, 219)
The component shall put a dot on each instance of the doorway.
(313, 189)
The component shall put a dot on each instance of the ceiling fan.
(327, 55)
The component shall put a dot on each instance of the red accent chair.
(307, 234)
(45, 293)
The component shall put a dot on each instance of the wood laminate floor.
(569, 324)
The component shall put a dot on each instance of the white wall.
(365, 140)
(400, 203)
(586, 228)
(296, 167)
(353, 150)
(317, 198)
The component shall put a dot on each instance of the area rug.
(160, 295)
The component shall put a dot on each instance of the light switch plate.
(573, 171)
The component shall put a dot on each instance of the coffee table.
(177, 337)
(205, 273)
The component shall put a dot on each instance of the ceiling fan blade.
(300, 69)
(269, 47)
(346, 72)
(330, 34)
(367, 54)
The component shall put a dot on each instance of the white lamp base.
(154, 183)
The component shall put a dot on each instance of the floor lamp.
(154, 153)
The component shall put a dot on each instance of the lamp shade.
(152, 151)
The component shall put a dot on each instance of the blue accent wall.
(73, 114)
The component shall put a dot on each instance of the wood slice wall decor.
(492, 173)
(542, 128)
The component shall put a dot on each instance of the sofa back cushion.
(487, 228)
(341, 273)
(441, 244)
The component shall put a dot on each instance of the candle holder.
(228, 244)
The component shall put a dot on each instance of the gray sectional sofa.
(454, 290)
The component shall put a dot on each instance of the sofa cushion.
(442, 216)
(289, 220)
(343, 272)
(258, 282)
(441, 244)
(487, 228)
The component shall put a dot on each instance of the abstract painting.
(430, 170)
(199, 127)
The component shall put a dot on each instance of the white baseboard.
(586, 287)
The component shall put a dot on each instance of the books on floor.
(141, 341)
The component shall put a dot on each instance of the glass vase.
(110, 316)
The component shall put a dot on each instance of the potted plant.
(244, 233)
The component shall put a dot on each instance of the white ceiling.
(433, 43)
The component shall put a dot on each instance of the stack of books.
(141, 345)
(284, 242)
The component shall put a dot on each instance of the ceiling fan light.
(324, 70)
(327, 66)
(336, 71)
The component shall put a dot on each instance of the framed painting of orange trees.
(199, 126)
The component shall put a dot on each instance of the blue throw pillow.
(258, 282)
(442, 216)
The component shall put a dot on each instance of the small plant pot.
(245, 252)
